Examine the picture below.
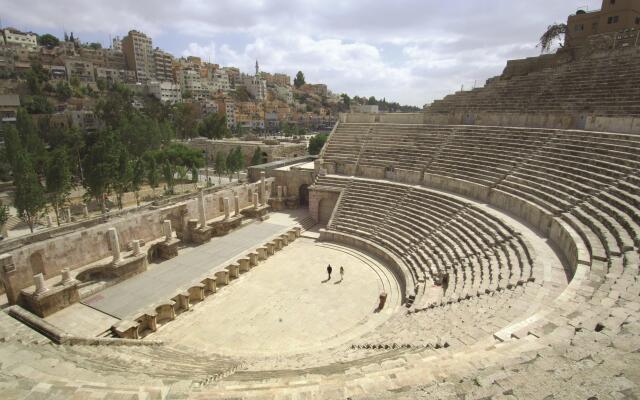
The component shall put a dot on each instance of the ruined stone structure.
(272, 150)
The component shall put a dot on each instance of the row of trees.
(132, 148)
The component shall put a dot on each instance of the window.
(637, 20)
(612, 2)
(612, 20)
(579, 28)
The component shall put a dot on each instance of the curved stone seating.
(435, 235)
(582, 85)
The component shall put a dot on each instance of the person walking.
(329, 269)
(341, 273)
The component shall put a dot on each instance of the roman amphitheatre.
(490, 247)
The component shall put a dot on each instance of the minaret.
(257, 68)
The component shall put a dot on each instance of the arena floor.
(287, 305)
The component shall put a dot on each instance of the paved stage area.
(287, 305)
(162, 281)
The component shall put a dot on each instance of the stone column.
(49, 221)
(236, 204)
(279, 189)
(66, 277)
(112, 234)
(256, 200)
(135, 246)
(166, 228)
(40, 285)
(202, 219)
(85, 211)
(263, 188)
(226, 208)
(9, 277)
(68, 214)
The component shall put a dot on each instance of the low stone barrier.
(165, 312)
(396, 266)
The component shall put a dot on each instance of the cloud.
(411, 51)
(205, 52)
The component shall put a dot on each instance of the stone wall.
(87, 245)
(272, 152)
(322, 202)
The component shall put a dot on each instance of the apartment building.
(138, 53)
(614, 16)
(166, 92)
(163, 65)
(13, 37)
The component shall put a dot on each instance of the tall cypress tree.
(29, 200)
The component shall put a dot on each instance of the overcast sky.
(410, 51)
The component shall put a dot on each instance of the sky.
(409, 51)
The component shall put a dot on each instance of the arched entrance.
(303, 195)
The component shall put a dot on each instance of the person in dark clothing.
(445, 282)
(329, 269)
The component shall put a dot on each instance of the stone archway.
(303, 195)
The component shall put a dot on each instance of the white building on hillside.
(166, 92)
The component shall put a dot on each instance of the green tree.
(316, 143)
(123, 176)
(37, 104)
(299, 80)
(240, 161)
(12, 144)
(137, 178)
(33, 83)
(220, 166)
(48, 40)
(213, 126)
(99, 165)
(185, 118)
(4, 215)
(181, 171)
(176, 155)
(29, 197)
(31, 140)
(230, 164)
(554, 32)
(194, 175)
(58, 180)
(153, 174)
(168, 171)
(257, 157)
(63, 90)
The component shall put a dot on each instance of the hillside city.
(80, 122)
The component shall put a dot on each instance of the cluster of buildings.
(259, 100)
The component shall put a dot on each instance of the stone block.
(222, 277)
(126, 329)
(168, 249)
(166, 311)
(196, 292)
(210, 285)
(234, 271)
(253, 259)
(244, 265)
